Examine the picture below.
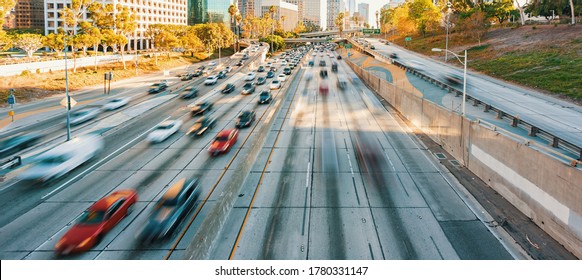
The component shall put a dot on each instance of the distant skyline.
(375, 5)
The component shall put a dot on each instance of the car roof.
(224, 133)
(106, 202)
(174, 190)
(166, 123)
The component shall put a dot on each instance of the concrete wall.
(544, 188)
(54, 65)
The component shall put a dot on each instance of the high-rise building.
(289, 11)
(27, 14)
(315, 13)
(147, 12)
(300, 8)
(364, 10)
(352, 6)
(333, 8)
(203, 11)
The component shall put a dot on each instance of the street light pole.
(447, 37)
(67, 87)
(464, 75)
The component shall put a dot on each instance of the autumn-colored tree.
(29, 43)
(339, 22)
(403, 23)
(475, 26)
(55, 41)
(299, 28)
(232, 11)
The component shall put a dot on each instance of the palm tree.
(283, 18)
(272, 11)
(339, 22)
(233, 10)
(238, 21)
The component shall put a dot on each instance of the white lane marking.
(307, 177)
(390, 161)
(90, 169)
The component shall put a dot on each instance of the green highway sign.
(371, 31)
(408, 39)
(348, 46)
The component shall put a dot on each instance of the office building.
(203, 11)
(364, 10)
(147, 12)
(315, 13)
(27, 14)
(333, 8)
(288, 10)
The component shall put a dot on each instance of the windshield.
(81, 113)
(221, 138)
(165, 126)
(54, 160)
(92, 217)
(264, 94)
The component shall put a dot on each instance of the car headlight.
(85, 242)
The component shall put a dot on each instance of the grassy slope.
(547, 58)
(36, 86)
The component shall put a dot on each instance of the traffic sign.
(64, 102)
(408, 39)
(371, 31)
(11, 113)
(348, 46)
(11, 99)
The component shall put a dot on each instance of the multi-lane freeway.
(335, 177)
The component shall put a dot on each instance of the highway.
(336, 177)
(558, 117)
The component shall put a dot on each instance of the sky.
(375, 5)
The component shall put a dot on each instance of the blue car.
(170, 210)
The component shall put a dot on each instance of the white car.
(269, 64)
(212, 63)
(284, 62)
(211, 80)
(84, 115)
(164, 130)
(250, 76)
(275, 84)
(228, 69)
(63, 158)
(116, 103)
(275, 60)
(282, 77)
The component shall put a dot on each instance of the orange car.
(96, 221)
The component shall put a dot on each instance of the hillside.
(545, 57)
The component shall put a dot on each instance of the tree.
(55, 41)
(425, 15)
(277, 41)
(29, 43)
(283, 18)
(191, 42)
(118, 18)
(476, 25)
(125, 24)
(107, 39)
(233, 10)
(5, 7)
(521, 12)
(339, 22)
(403, 23)
(73, 17)
(299, 28)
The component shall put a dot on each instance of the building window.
(60, 6)
(50, 5)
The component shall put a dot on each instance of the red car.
(96, 221)
(323, 89)
(223, 142)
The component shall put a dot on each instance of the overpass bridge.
(328, 33)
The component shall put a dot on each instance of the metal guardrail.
(516, 121)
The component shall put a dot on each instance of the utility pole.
(447, 27)
(67, 87)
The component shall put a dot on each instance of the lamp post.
(447, 27)
(464, 74)
(67, 87)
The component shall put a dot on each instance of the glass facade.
(202, 11)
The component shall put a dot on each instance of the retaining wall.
(545, 188)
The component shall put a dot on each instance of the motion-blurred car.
(187, 77)
(323, 73)
(261, 69)
(282, 77)
(83, 115)
(416, 65)
(394, 55)
(275, 84)
(198, 73)
(212, 63)
(240, 63)
(201, 125)
(96, 221)
(245, 119)
(250, 76)
(164, 130)
(211, 80)
(228, 69)
(116, 103)
(287, 71)
(453, 79)
(342, 83)
(170, 210)
(202, 68)
(223, 142)
(221, 74)
(63, 158)
(265, 97)
(228, 88)
(190, 92)
(334, 67)
(322, 63)
(261, 80)
(270, 74)
(323, 88)
(248, 88)
(339, 57)
(17, 143)
(201, 108)
(158, 87)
